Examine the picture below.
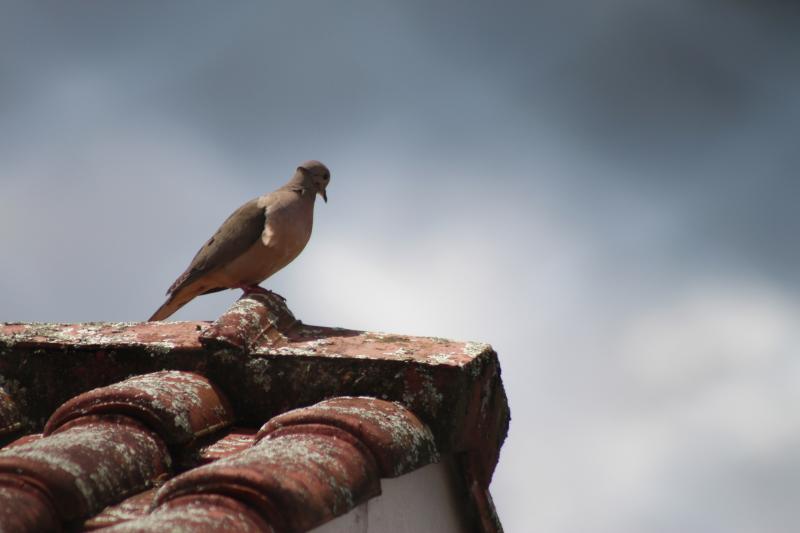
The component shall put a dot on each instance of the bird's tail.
(175, 301)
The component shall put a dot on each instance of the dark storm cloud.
(669, 82)
(636, 75)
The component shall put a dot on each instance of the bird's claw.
(258, 289)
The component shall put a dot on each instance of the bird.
(256, 241)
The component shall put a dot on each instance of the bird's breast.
(286, 233)
(288, 228)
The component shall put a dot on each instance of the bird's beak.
(324, 195)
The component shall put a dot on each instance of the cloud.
(604, 193)
(91, 228)
(709, 329)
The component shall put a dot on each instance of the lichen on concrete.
(382, 336)
(259, 371)
(474, 349)
(422, 391)
(440, 358)
(399, 352)
(99, 334)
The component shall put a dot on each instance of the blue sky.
(606, 192)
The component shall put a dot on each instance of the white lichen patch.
(258, 368)
(317, 343)
(161, 347)
(439, 340)
(246, 310)
(440, 358)
(429, 397)
(292, 350)
(308, 348)
(228, 444)
(404, 354)
(474, 349)
(383, 336)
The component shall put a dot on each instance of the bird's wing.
(239, 231)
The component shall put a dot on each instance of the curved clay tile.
(107, 444)
(398, 440)
(199, 514)
(87, 464)
(180, 406)
(25, 508)
(295, 481)
(306, 467)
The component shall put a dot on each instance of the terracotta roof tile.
(133, 507)
(88, 463)
(111, 442)
(377, 405)
(180, 406)
(396, 438)
(234, 441)
(306, 466)
(248, 320)
(295, 481)
(24, 508)
(207, 513)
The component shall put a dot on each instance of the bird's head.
(316, 177)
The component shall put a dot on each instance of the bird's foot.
(253, 289)
(258, 289)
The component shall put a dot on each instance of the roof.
(255, 422)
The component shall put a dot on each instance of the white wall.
(424, 500)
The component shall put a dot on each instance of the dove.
(257, 240)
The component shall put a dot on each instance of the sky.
(604, 191)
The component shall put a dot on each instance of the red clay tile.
(24, 508)
(180, 406)
(89, 463)
(204, 513)
(397, 439)
(136, 506)
(295, 481)
(243, 325)
(25, 439)
(234, 441)
(283, 368)
(268, 363)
